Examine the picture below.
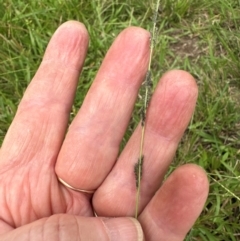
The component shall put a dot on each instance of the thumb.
(66, 227)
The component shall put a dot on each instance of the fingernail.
(127, 229)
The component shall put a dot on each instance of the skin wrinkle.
(153, 223)
(73, 201)
(55, 78)
(127, 82)
(78, 230)
(63, 230)
(37, 187)
(43, 105)
(72, 47)
(28, 234)
(69, 49)
(83, 202)
(51, 193)
(13, 159)
(27, 197)
(87, 170)
(59, 66)
(31, 233)
(58, 91)
(43, 233)
(69, 201)
(173, 89)
(4, 195)
(16, 211)
(59, 228)
(140, 57)
(25, 143)
(40, 146)
(6, 207)
(26, 203)
(105, 228)
(179, 113)
(11, 200)
(50, 156)
(54, 191)
(32, 215)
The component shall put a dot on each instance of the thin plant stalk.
(148, 90)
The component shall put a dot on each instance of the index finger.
(39, 126)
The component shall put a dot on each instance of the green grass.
(202, 37)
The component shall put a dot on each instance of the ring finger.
(170, 110)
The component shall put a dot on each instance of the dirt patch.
(186, 46)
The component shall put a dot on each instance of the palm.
(36, 148)
(33, 197)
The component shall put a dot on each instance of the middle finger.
(92, 143)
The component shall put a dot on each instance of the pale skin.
(36, 206)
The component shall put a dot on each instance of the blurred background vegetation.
(202, 37)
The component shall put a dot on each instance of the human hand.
(35, 152)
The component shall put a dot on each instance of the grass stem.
(148, 90)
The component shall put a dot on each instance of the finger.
(176, 206)
(92, 143)
(40, 123)
(66, 227)
(170, 110)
